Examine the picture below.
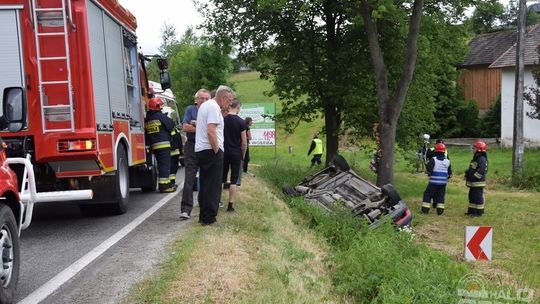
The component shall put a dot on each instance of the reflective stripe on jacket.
(476, 174)
(157, 128)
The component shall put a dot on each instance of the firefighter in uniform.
(158, 128)
(176, 148)
(475, 178)
(317, 149)
(439, 171)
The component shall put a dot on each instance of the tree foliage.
(317, 56)
(492, 16)
(532, 93)
(487, 16)
(194, 63)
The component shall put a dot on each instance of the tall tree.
(317, 54)
(194, 63)
(306, 48)
(389, 106)
(487, 16)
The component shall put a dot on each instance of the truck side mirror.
(14, 108)
(165, 80)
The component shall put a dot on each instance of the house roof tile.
(484, 49)
(508, 58)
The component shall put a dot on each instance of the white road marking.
(53, 284)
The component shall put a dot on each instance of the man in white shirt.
(209, 151)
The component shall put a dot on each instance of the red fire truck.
(75, 90)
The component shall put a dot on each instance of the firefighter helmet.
(480, 146)
(155, 104)
(440, 147)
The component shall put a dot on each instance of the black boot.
(425, 210)
(166, 188)
(440, 211)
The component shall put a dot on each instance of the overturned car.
(338, 183)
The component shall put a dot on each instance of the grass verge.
(258, 255)
(385, 266)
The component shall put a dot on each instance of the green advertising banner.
(263, 130)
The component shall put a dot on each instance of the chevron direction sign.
(478, 243)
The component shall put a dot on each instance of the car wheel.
(389, 191)
(340, 163)
(9, 240)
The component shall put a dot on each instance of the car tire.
(389, 191)
(340, 163)
(9, 242)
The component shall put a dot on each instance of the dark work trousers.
(163, 158)
(190, 169)
(476, 201)
(434, 194)
(210, 175)
(245, 161)
(316, 159)
(174, 168)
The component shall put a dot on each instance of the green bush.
(490, 123)
(470, 120)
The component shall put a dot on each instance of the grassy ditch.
(380, 266)
(258, 255)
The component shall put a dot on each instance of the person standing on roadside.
(235, 143)
(317, 149)
(439, 171)
(475, 178)
(249, 122)
(209, 147)
(158, 129)
(189, 124)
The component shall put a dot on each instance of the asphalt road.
(59, 236)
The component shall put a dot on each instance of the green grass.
(258, 255)
(251, 89)
(512, 212)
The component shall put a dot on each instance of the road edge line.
(69, 272)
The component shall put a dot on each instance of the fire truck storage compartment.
(10, 51)
(109, 65)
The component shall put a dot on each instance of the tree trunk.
(390, 108)
(386, 166)
(331, 120)
(330, 98)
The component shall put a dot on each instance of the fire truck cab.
(71, 70)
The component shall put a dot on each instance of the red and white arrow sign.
(478, 243)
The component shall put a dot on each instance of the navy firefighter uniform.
(158, 129)
(475, 178)
(439, 171)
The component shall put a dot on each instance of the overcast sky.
(152, 15)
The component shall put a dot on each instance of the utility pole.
(517, 144)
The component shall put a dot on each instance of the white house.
(507, 62)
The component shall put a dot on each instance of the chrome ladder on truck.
(51, 23)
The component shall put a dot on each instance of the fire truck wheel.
(121, 181)
(9, 240)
